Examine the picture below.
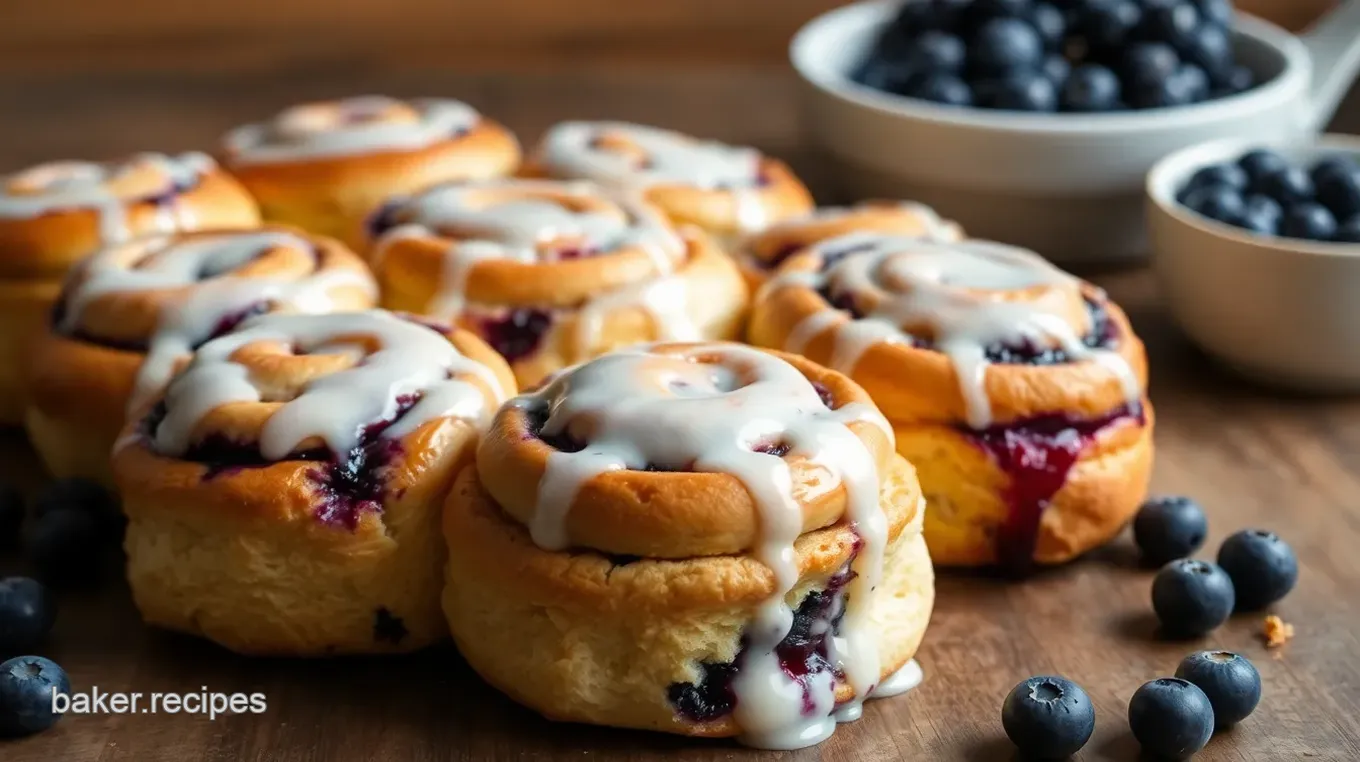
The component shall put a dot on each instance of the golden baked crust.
(603, 270)
(771, 193)
(578, 636)
(299, 556)
(761, 252)
(51, 215)
(82, 367)
(668, 514)
(983, 472)
(333, 192)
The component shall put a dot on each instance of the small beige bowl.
(1283, 311)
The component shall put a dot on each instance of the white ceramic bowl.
(1066, 185)
(1281, 310)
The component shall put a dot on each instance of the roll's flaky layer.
(551, 273)
(705, 539)
(307, 525)
(649, 644)
(326, 166)
(52, 215)
(1011, 385)
(725, 190)
(130, 312)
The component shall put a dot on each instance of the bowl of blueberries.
(1257, 250)
(1036, 121)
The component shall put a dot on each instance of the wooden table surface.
(1253, 458)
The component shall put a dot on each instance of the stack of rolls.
(325, 166)
(284, 493)
(726, 190)
(52, 215)
(760, 253)
(698, 538)
(1017, 390)
(553, 273)
(129, 312)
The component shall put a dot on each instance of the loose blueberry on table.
(1171, 718)
(11, 517)
(27, 613)
(1048, 717)
(26, 685)
(1262, 566)
(1059, 55)
(1192, 597)
(1229, 681)
(1263, 193)
(1168, 528)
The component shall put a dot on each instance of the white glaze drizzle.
(410, 359)
(347, 127)
(512, 230)
(168, 263)
(930, 280)
(675, 411)
(569, 150)
(65, 185)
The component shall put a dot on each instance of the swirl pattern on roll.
(515, 260)
(768, 450)
(165, 295)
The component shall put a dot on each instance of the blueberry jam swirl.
(347, 421)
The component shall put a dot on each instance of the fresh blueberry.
(1230, 682)
(1239, 79)
(1217, 202)
(1048, 717)
(1261, 214)
(1050, 23)
(1209, 48)
(1262, 163)
(1191, 597)
(26, 686)
(1171, 718)
(1333, 165)
(912, 19)
(1215, 12)
(1145, 64)
(1194, 81)
(1349, 231)
(1170, 22)
(1107, 25)
(1057, 69)
(78, 494)
(66, 545)
(886, 75)
(1262, 566)
(1338, 187)
(1022, 91)
(1091, 87)
(979, 12)
(943, 88)
(936, 52)
(11, 516)
(1288, 186)
(1188, 84)
(27, 612)
(1167, 528)
(1005, 45)
(1309, 221)
(1229, 175)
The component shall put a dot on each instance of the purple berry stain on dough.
(355, 484)
(1038, 454)
(518, 334)
(802, 654)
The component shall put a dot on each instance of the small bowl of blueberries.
(1036, 121)
(1257, 250)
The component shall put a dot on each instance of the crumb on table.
(1277, 631)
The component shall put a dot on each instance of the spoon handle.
(1333, 44)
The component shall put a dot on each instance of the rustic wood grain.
(1253, 458)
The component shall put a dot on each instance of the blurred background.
(88, 78)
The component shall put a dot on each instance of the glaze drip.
(363, 124)
(972, 299)
(110, 189)
(718, 408)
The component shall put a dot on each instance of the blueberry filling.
(232, 320)
(824, 394)
(388, 628)
(781, 255)
(383, 219)
(518, 334)
(803, 653)
(1037, 454)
